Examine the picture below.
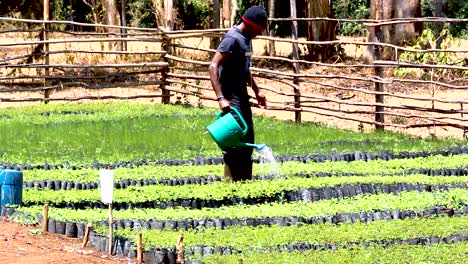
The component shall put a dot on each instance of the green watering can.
(227, 132)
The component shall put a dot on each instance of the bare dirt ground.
(18, 245)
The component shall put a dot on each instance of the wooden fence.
(41, 60)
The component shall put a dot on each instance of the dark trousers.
(238, 161)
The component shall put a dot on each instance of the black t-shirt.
(234, 71)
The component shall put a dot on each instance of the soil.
(19, 244)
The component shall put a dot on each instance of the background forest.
(197, 14)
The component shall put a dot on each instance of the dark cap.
(256, 16)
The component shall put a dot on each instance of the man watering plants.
(230, 75)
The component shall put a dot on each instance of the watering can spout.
(256, 146)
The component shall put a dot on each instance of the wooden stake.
(241, 261)
(110, 230)
(379, 71)
(296, 65)
(180, 249)
(86, 236)
(45, 218)
(139, 248)
(46, 48)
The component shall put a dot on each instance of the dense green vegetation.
(226, 190)
(287, 169)
(358, 204)
(434, 253)
(83, 134)
(359, 210)
(269, 237)
(196, 13)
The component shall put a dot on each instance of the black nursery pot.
(161, 256)
(148, 256)
(155, 224)
(71, 229)
(80, 229)
(128, 223)
(57, 185)
(50, 185)
(51, 226)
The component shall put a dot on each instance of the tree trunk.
(405, 9)
(215, 23)
(158, 10)
(397, 34)
(320, 30)
(271, 14)
(169, 14)
(123, 4)
(234, 10)
(112, 18)
(227, 14)
(438, 12)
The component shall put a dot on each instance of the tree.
(234, 10)
(215, 22)
(169, 14)
(96, 12)
(25, 9)
(438, 12)
(112, 16)
(226, 14)
(271, 14)
(320, 30)
(396, 34)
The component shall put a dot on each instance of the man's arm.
(259, 95)
(218, 59)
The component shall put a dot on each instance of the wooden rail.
(169, 64)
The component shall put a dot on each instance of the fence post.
(379, 72)
(124, 24)
(46, 49)
(165, 45)
(297, 92)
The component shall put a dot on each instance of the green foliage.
(141, 13)
(451, 9)
(35, 231)
(223, 190)
(414, 200)
(288, 169)
(351, 9)
(440, 253)
(130, 131)
(195, 13)
(21, 9)
(23, 219)
(249, 239)
(428, 40)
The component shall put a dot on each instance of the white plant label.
(106, 179)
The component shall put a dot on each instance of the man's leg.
(238, 164)
(238, 161)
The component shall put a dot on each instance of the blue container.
(11, 187)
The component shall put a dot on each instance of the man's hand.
(224, 105)
(261, 99)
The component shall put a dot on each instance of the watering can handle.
(240, 118)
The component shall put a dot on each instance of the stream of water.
(269, 168)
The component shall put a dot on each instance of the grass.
(108, 132)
